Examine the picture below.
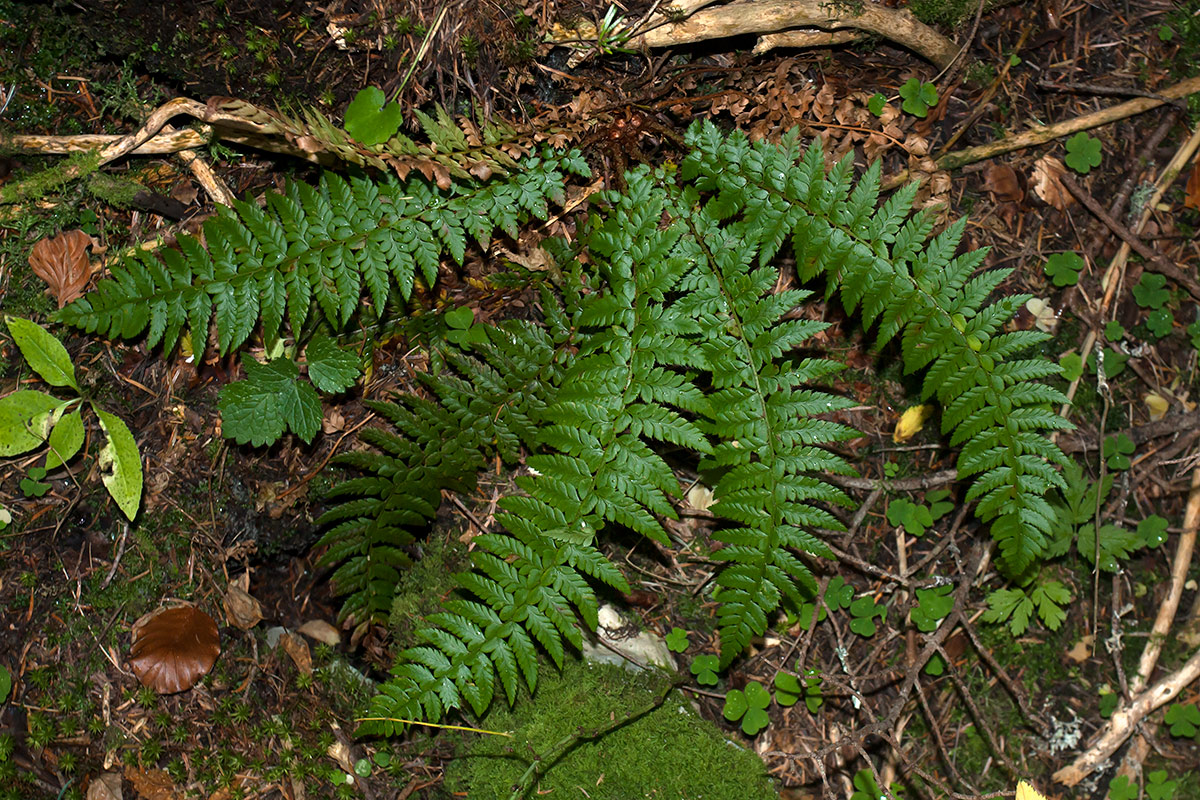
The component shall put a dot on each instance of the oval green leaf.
(121, 464)
(65, 440)
(44, 353)
(25, 420)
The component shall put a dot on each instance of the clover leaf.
(864, 610)
(1117, 450)
(916, 519)
(1160, 322)
(918, 97)
(1083, 153)
(1151, 291)
(1158, 787)
(750, 706)
(838, 594)
(677, 640)
(705, 669)
(1064, 268)
(1108, 703)
(32, 485)
(1184, 720)
(866, 787)
(1121, 788)
(463, 330)
(877, 103)
(1072, 366)
(932, 606)
(787, 689)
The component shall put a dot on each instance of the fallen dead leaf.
(1046, 181)
(1082, 650)
(297, 650)
(322, 631)
(1157, 405)
(151, 784)
(63, 263)
(241, 609)
(1045, 318)
(1002, 181)
(700, 497)
(105, 787)
(911, 422)
(1191, 198)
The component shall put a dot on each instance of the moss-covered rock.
(668, 752)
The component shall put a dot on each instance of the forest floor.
(1023, 682)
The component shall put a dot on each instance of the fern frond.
(884, 263)
(322, 245)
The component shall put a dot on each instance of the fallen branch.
(741, 17)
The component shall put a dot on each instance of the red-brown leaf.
(1191, 197)
(174, 648)
(62, 262)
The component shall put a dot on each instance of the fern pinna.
(324, 245)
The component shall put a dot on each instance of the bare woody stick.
(1125, 719)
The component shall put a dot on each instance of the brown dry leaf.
(1047, 183)
(105, 787)
(297, 650)
(1002, 181)
(322, 631)
(62, 262)
(1191, 197)
(1082, 650)
(151, 784)
(173, 648)
(241, 609)
(334, 422)
(822, 107)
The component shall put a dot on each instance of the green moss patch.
(669, 752)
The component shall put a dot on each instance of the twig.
(1040, 134)
(1155, 261)
(1126, 718)
(1115, 267)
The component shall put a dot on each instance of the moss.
(669, 752)
(424, 584)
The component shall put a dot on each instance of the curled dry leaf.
(1047, 183)
(297, 650)
(173, 648)
(241, 609)
(62, 262)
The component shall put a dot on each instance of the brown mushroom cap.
(174, 648)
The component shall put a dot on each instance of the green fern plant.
(325, 246)
(684, 342)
